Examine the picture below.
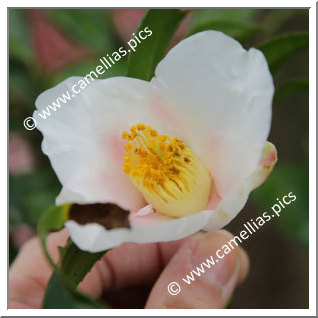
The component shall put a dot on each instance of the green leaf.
(278, 49)
(241, 31)
(77, 263)
(60, 296)
(52, 219)
(291, 86)
(294, 219)
(162, 23)
(74, 265)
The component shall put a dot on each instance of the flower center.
(170, 177)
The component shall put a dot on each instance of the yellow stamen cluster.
(171, 178)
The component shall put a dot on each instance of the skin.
(131, 265)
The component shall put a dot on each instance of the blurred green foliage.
(281, 34)
(92, 28)
(30, 195)
(278, 49)
(19, 38)
(238, 23)
(294, 218)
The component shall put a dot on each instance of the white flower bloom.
(196, 148)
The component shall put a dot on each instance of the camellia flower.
(181, 153)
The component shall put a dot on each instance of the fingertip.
(213, 286)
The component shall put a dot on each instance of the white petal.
(221, 95)
(83, 137)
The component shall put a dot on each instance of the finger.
(130, 264)
(127, 265)
(30, 271)
(214, 286)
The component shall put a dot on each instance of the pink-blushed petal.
(147, 216)
(221, 95)
(158, 228)
(83, 141)
(236, 199)
(265, 166)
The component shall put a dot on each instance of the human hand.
(125, 268)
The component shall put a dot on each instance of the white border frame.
(312, 165)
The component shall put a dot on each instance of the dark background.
(47, 46)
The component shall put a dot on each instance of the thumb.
(213, 286)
